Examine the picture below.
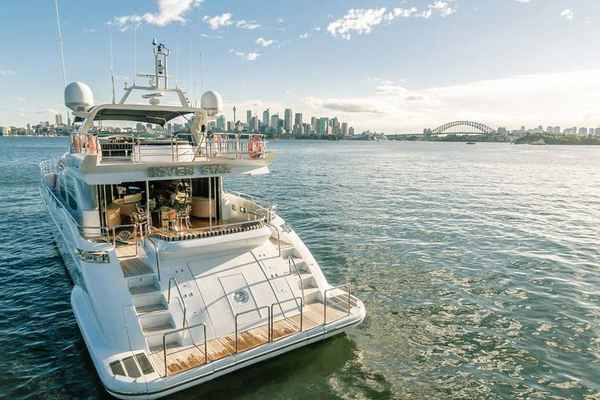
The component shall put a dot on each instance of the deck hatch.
(144, 363)
(131, 367)
(117, 368)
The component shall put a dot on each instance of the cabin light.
(96, 257)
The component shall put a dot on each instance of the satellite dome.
(78, 96)
(212, 103)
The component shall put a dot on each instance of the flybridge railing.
(178, 148)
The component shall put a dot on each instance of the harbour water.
(479, 266)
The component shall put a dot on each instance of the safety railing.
(124, 237)
(177, 331)
(269, 321)
(325, 300)
(300, 306)
(173, 279)
(129, 148)
(233, 146)
(99, 233)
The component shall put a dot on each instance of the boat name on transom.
(214, 169)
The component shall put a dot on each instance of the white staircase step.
(155, 341)
(145, 289)
(134, 267)
(156, 322)
(151, 308)
(306, 277)
(311, 295)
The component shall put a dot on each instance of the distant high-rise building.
(254, 124)
(266, 119)
(583, 131)
(556, 130)
(287, 120)
(314, 124)
(249, 118)
(344, 128)
(58, 120)
(298, 119)
(221, 123)
(323, 126)
(274, 123)
(351, 131)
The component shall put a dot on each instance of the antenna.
(192, 86)
(112, 71)
(60, 44)
(135, 53)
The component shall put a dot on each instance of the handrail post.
(325, 307)
(236, 334)
(165, 352)
(205, 346)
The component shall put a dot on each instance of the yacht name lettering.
(156, 172)
(214, 169)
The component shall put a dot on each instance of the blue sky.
(385, 65)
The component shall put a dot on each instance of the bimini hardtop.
(178, 280)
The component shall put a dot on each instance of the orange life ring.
(255, 147)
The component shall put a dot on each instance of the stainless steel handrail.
(218, 145)
(180, 296)
(257, 309)
(284, 317)
(156, 251)
(325, 300)
(293, 263)
(180, 330)
(266, 278)
(114, 235)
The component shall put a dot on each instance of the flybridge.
(197, 145)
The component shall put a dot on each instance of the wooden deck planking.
(183, 359)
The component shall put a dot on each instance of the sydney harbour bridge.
(462, 128)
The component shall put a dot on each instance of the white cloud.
(304, 35)
(250, 25)
(249, 56)
(226, 19)
(362, 21)
(207, 36)
(264, 42)
(566, 99)
(568, 14)
(218, 21)
(169, 11)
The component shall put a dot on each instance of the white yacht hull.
(102, 349)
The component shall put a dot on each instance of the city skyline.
(352, 59)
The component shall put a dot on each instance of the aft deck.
(181, 359)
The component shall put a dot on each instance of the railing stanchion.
(165, 352)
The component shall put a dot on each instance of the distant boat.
(471, 143)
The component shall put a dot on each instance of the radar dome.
(78, 96)
(212, 103)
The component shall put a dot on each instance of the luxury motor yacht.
(176, 281)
